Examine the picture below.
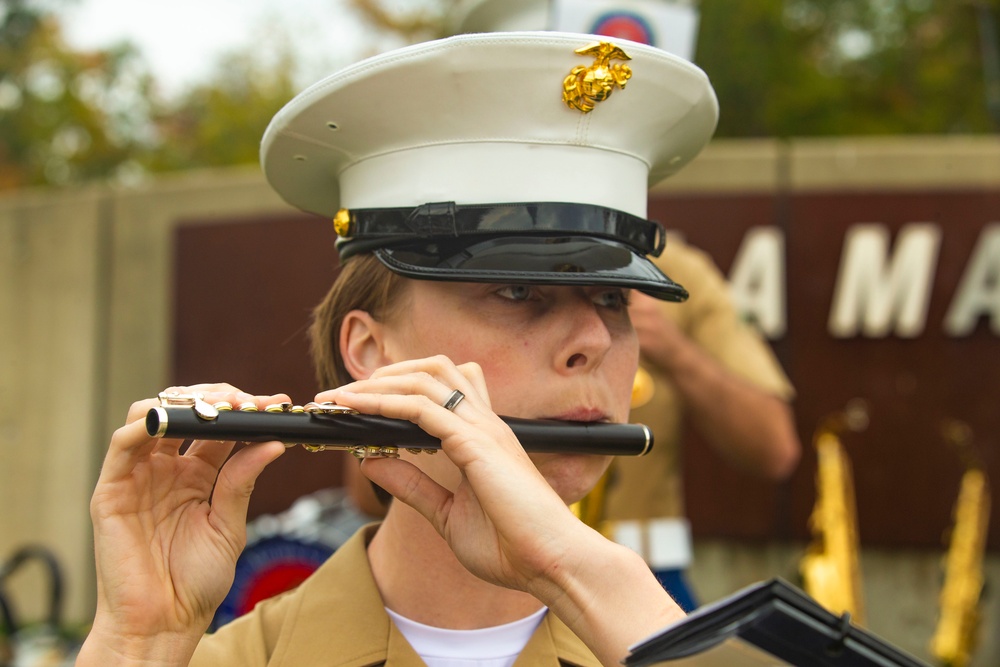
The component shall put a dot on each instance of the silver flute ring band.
(453, 400)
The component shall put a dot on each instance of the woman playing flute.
(489, 194)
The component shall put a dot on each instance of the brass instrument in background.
(831, 569)
(957, 629)
(643, 388)
(591, 508)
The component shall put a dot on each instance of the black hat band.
(373, 228)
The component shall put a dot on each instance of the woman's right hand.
(168, 529)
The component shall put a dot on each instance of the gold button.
(342, 223)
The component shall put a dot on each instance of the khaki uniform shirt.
(650, 486)
(336, 618)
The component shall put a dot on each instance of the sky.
(182, 39)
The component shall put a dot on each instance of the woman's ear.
(362, 344)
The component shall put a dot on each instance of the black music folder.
(769, 623)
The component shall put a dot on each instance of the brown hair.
(364, 284)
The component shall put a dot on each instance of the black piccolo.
(319, 426)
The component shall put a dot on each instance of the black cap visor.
(535, 259)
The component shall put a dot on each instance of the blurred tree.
(818, 67)
(221, 120)
(418, 24)
(66, 116)
(827, 67)
(780, 68)
(69, 116)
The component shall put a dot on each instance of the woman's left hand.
(502, 519)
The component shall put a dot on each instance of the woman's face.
(547, 352)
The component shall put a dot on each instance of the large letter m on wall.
(877, 294)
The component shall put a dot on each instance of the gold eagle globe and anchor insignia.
(586, 86)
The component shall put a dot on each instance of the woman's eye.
(612, 299)
(515, 292)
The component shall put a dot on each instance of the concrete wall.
(84, 331)
(53, 309)
(85, 294)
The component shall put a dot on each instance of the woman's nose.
(587, 335)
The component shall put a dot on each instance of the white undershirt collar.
(498, 646)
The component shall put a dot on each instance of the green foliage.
(781, 68)
(65, 116)
(220, 122)
(69, 116)
(844, 67)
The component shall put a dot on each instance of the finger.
(175, 447)
(439, 368)
(444, 370)
(215, 452)
(212, 452)
(212, 392)
(410, 485)
(465, 434)
(400, 399)
(231, 497)
(204, 388)
(431, 381)
(129, 445)
(473, 373)
(417, 391)
(373, 399)
(137, 411)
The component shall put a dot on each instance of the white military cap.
(499, 157)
